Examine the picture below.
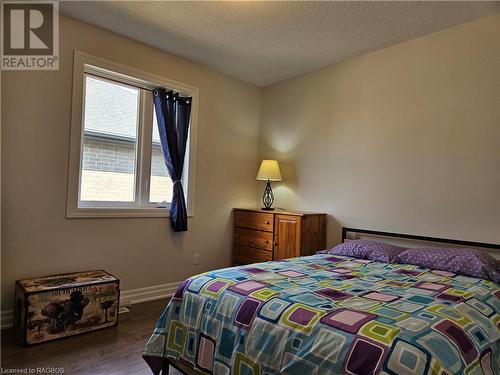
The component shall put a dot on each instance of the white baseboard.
(150, 293)
(6, 319)
(127, 298)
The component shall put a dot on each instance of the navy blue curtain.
(172, 115)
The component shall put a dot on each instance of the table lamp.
(269, 171)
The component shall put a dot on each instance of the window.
(161, 184)
(116, 159)
(110, 124)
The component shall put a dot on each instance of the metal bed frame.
(346, 230)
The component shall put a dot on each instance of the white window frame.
(107, 70)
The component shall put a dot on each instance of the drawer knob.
(268, 222)
(275, 244)
(267, 241)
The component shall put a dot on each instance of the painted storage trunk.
(51, 307)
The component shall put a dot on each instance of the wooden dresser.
(260, 235)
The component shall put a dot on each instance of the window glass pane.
(109, 141)
(160, 183)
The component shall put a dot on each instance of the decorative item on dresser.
(269, 171)
(260, 236)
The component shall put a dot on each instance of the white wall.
(404, 139)
(38, 240)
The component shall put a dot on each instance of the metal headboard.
(346, 230)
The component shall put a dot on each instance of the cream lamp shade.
(269, 170)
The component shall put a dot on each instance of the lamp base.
(268, 197)
(267, 208)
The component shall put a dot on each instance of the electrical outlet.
(196, 259)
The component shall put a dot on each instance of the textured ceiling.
(266, 41)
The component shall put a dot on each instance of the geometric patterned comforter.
(325, 314)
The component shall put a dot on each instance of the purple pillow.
(465, 261)
(365, 249)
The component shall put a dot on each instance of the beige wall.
(405, 139)
(38, 240)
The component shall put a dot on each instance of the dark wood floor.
(111, 351)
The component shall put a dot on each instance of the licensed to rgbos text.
(33, 370)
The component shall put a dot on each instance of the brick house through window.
(110, 146)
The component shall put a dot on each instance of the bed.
(331, 314)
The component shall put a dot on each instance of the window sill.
(81, 213)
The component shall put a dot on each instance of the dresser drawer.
(253, 238)
(254, 220)
(246, 255)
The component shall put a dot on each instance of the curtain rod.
(105, 77)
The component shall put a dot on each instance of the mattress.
(325, 314)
